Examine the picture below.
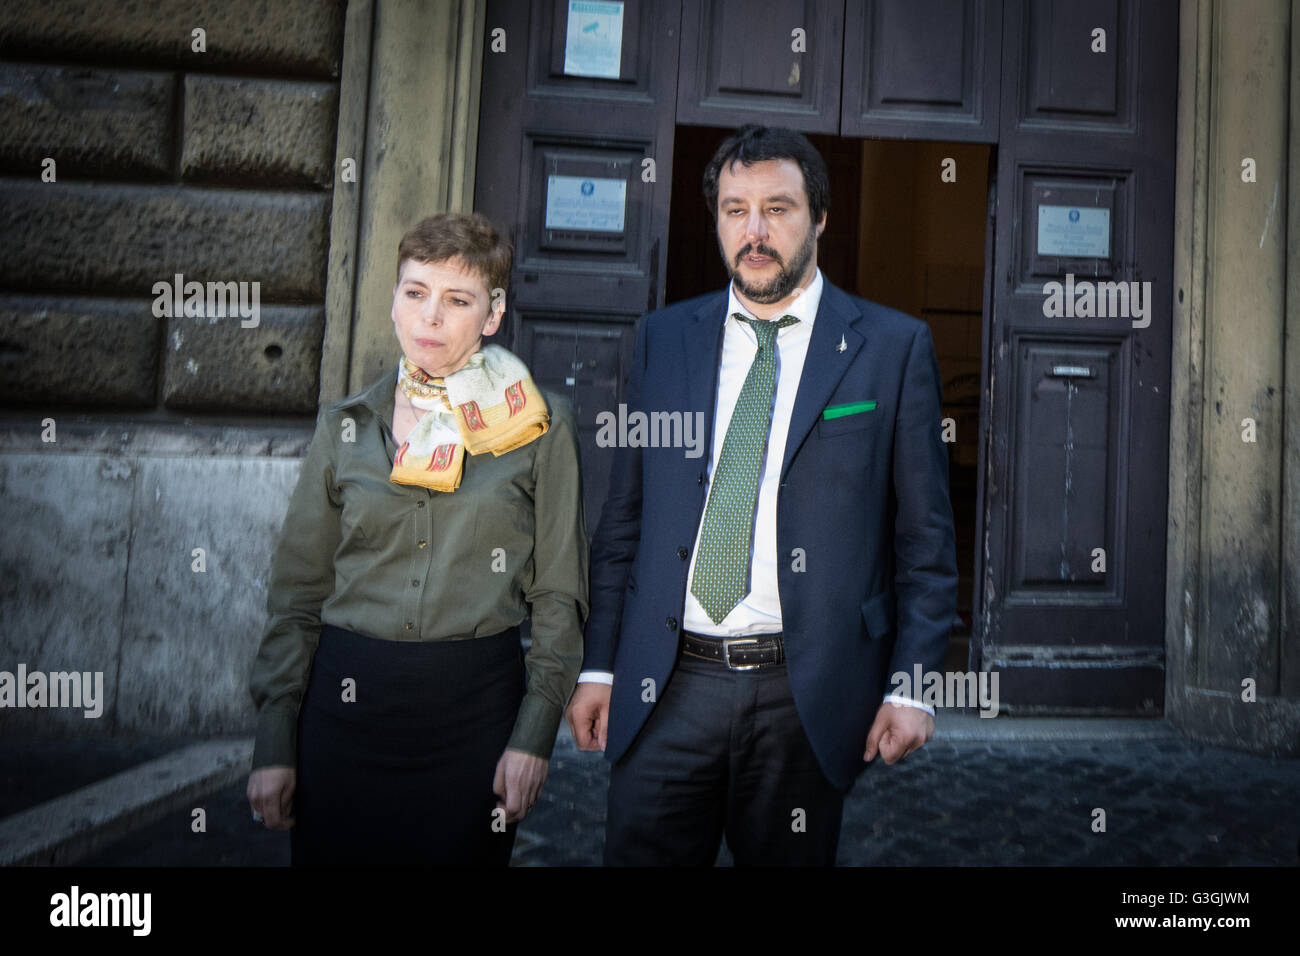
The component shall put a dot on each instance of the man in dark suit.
(749, 608)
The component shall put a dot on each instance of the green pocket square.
(839, 411)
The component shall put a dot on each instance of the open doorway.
(897, 234)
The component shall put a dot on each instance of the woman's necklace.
(415, 382)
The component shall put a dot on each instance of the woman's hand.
(270, 793)
(518, 782)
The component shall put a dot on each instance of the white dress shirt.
(759, 612)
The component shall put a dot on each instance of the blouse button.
(419, 504)
(423, 543)
(410, 626)
(415, 583)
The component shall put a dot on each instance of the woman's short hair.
(755, 144)
(467, 236)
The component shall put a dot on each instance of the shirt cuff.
(276, 743)
(535, 727)
(908, 702)
(596, 677)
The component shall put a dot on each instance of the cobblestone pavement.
(956, 802)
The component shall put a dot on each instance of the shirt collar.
(804, 307)
(378, 396)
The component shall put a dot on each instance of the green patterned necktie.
(721, 578)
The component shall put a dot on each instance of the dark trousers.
(723, 752)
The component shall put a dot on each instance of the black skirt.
(403, 774)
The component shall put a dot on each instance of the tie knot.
(766, 329)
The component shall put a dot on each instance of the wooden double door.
(1077, 100)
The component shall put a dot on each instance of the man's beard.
(787, 278)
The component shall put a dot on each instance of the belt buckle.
(727, 642)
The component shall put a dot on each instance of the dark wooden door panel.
(1079, 402)
(742, 61)
(584, 361)
(1063, 81)
(1067, 509)
(579, 169)
(922, 69)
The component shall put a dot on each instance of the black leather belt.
(737, 653)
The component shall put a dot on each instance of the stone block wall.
(130, 156)
(146, 141)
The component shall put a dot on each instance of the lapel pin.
(842, 346)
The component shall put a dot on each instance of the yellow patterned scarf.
(490, 404)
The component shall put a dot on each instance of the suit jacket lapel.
(824, 365)
(702, 345)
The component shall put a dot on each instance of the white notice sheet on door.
(593, 44)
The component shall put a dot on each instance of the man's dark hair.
(755, 144)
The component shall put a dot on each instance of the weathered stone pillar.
(419, 77)
(1234, 522)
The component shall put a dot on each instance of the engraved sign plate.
(1073, 231)
(585, 203)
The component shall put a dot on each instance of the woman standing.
(435, 510)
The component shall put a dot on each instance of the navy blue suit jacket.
(863, 499)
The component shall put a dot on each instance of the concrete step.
(68, 828)
(967, 724)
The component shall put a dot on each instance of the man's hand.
(518, 781)
(588, 715)
(897, 731)
(270, 793)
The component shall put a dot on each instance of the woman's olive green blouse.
(405, 563)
